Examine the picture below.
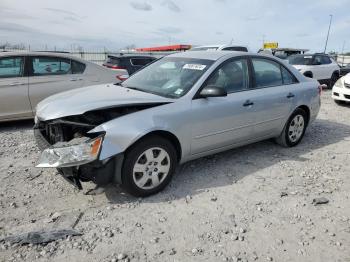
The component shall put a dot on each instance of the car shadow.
(16, 125)
(230, 166)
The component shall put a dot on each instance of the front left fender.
(122, 132)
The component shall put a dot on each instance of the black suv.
(130, 63)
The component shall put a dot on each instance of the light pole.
(329, 29)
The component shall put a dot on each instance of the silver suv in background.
(26, 78)
(318, 66)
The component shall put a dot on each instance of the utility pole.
(329, 29)
(263, 40)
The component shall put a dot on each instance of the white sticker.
(179, 91)
(194, 66)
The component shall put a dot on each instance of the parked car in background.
(26, 78)
(344, 70)
(181, 107)
(318, 66)
(341, 90)
(220, 48)
(126, 65)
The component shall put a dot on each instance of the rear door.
(321, 70)
(49, 75)
(274, 93)
(14, 100)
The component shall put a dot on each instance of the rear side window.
(267, 73)
(50, 66)
(325, 60)
(113, 60)
(288, 78)
(11, 67)
(140, 61)
(77, 67)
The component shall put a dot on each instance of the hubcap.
(151, 168)
(296, 128)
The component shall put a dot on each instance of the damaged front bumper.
(76, 152)
(78, 160)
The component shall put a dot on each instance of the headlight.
(339, 83)
(76, 152)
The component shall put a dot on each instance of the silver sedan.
(26, 78)
(181, 107)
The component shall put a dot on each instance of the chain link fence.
(99, 56)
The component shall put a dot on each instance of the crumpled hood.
(81, 100)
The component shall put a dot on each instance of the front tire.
(294, 129)
(148, 166)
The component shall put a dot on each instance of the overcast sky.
(115, 24)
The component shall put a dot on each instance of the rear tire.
(148, 166)
(294, 129)
(332, 81)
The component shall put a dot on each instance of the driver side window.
(233, 76)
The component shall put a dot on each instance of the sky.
(115, 24)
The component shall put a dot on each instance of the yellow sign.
(270, 45)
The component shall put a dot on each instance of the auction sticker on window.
(194, 66)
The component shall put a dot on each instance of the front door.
(14, 100)
(218, 122)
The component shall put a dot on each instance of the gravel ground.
(248, 204)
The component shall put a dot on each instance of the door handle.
(248, 103)
(16, 84)
(290, 95)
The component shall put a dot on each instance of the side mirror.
(212, 91)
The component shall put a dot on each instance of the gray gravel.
(255, 203)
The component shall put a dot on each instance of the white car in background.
(26, 78)
(341, 90)
(318, 66)
(220, 48)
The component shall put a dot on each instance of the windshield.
(300, 60)
(169, 77)
(205, 48)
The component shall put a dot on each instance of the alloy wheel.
(151, 168)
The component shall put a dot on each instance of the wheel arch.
(167, 135)
(306, 109)
(308, 74)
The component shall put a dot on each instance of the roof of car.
(209, 55)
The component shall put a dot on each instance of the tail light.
(122, 77)
(116, 67)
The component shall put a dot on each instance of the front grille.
(347, 85)
(347, 96)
